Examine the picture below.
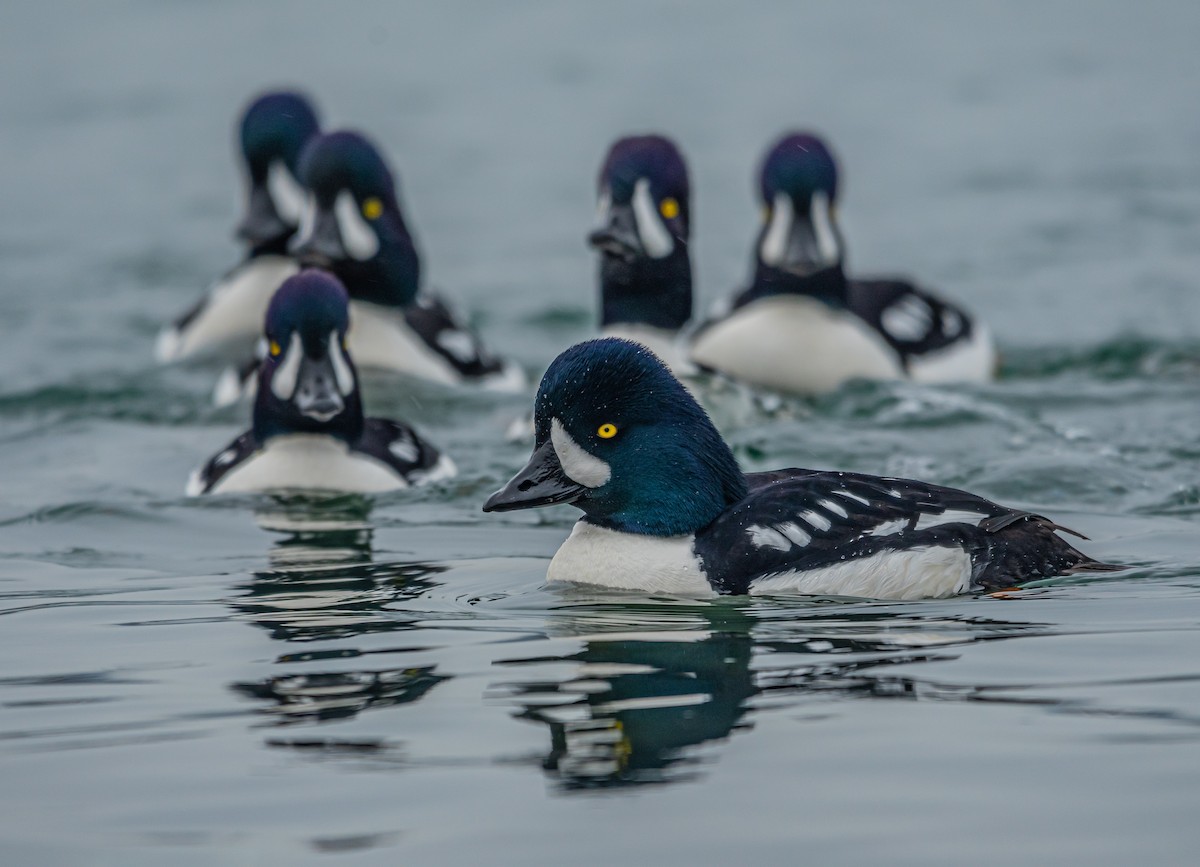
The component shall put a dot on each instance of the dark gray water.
(250, 681)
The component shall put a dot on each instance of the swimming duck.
(273, 131)
(803, 327)
(354, 228)
(667, 509)
(645, 273)
(309, 431)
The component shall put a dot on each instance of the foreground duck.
(644, 203)
(272, 134)
(309, 431)
(804, 328)
(667, 509)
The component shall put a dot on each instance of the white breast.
(917, 573)
(233, 311)
(310, 461)
(795, 344)
(629, 561)
(972, 359)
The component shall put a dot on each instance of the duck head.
(307, 382)
(274, 129)
(353, 225)
(620, 438)
(642, 234)
(798, 188)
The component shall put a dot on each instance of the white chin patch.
(775, 242)
(341, 369)
(358, 238)
(283, 383)
(286, 192)
(652, 232)
(822, 221)
(578, 463)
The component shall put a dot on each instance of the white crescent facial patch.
(775, 242)
(578, 463)
(283, 383)
(308, 221)
(656, 240)
(286, 192)
(822, 220)
(341, 369)
(358, 238)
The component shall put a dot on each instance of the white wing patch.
(460, 344)
(404, 449)
(815, 519)
(908, 319)
(836, 508)
(782, 537)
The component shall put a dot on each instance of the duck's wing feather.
(398, 446)
(914, 322)
(432, 320)
(797, 520)
(206, 477)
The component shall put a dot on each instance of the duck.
(273, 130)
(354, 228)
(803, 327)
(667, 509)
(641, 237)
(309, 431)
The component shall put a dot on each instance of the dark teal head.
(354, 226)
(618, 436)
(642, 235)
(274, 129)
(307, 382)
(798, 186)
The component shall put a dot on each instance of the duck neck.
(654, 292)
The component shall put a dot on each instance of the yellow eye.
(669, 208)
(606, 431)
(275, 348)
(372, 208)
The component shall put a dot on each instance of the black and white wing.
(913, 321)
(203, 480)
(800, 520)
(400, 447)
(434, 323)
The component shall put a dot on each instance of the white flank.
(233, 311)
(380, 338)
(287, 194)
(971, 359)
(774, 244)
(283, 383)
(460, 344)
(795, 344)
(629, 561)
(917, 573)
(358, 238)
(656, 240)
(309, 461)
(578, 463)
(341, 369)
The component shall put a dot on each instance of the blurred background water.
(268, 681)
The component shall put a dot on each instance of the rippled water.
(264, 681)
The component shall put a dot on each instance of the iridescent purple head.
(273, 131)
(354, 226)
(307, 382)
(798, 186)
(645, 199)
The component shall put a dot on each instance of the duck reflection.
(638, 707)
(322, 586)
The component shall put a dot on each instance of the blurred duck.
(804, 328)
(667, 509)
(274, 129)
(642, 238)
(309, 431)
